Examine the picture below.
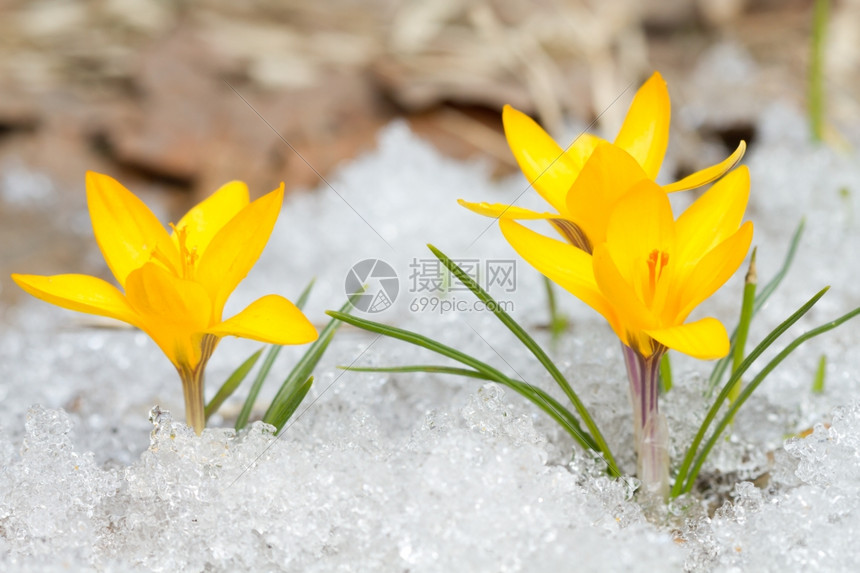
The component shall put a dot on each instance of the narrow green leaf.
(232, 382)
(743, 328)
(752, 386)
(274, 350)
(537, 396)
(555, 410)
(429, 368)
(816, 69)
(279, 411)
(689, 457)
(535, 349)
(820, 374)
(557, 321)
(245, 413)
(306, 293)
(544, 401)
(761, 298)
(768, 289)
(665, 374)
(291, 403)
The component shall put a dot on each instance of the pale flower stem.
(192, 388)
(192, 384)
(650, 432)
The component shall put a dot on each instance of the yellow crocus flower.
(653, 270)
(645, 279)
(563, 178)
(175, 285)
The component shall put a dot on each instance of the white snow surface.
(414, 472)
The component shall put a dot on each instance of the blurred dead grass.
(144, 90)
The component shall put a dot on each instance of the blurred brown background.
(160, 93)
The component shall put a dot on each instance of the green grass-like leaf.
(533, 347)
(480, 370)
(767, 290)
(761, 298)
(291, 402)
(665, 374)
(299, 380)
(816, 69)
(429, 368)
(305, 294)
(245, 413)
(540, 398)
(751, 387)
(232, 382)
(274, 350)
(820, 374)
(684, 481)
(743, 329)
(557, 321)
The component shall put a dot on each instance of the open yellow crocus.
(176, 284)
(646, 277)
(563, 179)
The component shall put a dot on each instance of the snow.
(415, 472)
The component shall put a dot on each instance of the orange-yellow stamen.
(158, 255)
(187, 256)
(657, 261)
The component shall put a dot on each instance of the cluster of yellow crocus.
(176, 284)
(624, 253)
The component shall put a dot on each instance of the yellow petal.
(705, 339)
(206, 218)
(125, 229)
(571, 232)
(608, 174)
(155, 293)
(708, 174)
(81, 293)
(631, 310)
(564, 264)
(645, 132)
(502, 210)
(640, 223)
(271, 319)
(714, 216)
(236, 247)
(712, 271)
(175, 312)
(548, 168)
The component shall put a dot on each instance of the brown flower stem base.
(192, 385)
(192, 388)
